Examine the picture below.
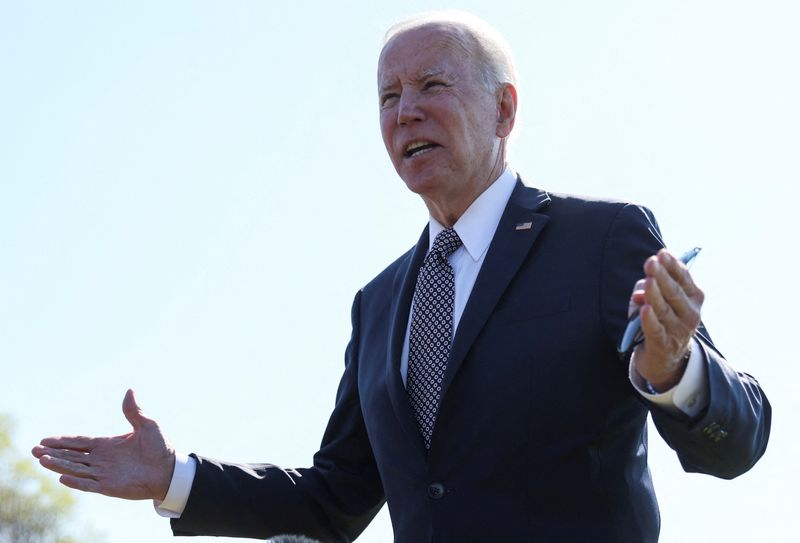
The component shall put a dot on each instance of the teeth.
(418, 147)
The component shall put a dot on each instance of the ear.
(506, 110)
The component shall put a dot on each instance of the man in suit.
(483, 398)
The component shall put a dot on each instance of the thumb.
(132, 411)
(637, 298)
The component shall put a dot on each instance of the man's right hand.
(134, 466)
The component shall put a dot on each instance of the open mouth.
(417, 148)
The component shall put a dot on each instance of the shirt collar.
(477, 225)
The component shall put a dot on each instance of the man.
(482, 397)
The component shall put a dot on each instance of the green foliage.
(33, 509)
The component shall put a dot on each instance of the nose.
(409, 108)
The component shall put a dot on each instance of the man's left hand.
(669, 305)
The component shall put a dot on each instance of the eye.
(434, 84)
(386, 100)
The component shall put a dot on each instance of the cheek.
(482, 134)
(386, 132)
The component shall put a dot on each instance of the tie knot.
(446, 242)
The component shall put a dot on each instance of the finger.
(639, 285)
(652, 328)
(661, 290)
(661, 326)
(76, 443)
(679, 272)
(673, 281)
(661, 336)
(80, 483)
(638, 289)
(132, 410)
(637, 297)
(65, 467)
(655, 299)
(671, 263)
(65, 454)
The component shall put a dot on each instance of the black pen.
(634, 328)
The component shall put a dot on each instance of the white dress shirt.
(476, 228)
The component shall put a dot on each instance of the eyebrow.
(417, 79)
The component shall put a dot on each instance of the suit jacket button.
(436, 491)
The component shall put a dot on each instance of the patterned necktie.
(431, 331)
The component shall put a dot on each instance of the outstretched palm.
(134, 466)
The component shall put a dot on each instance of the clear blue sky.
(191, 192)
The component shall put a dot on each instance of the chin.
(420, 185)
(425, 181)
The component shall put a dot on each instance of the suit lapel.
(403, 292)
(517, 230)
(511, 244)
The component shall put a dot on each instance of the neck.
(448, 208)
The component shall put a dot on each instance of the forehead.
(423, 52)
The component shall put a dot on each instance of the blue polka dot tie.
(431, 331)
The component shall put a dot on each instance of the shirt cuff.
(689, 396)
(179, 488)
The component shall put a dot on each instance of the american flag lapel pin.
(523, 226)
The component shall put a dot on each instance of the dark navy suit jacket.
(539, 436)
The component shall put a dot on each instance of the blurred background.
(191, 192)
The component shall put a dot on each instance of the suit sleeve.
(731, 434)
(334, 500)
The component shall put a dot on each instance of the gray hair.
(494, 62)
